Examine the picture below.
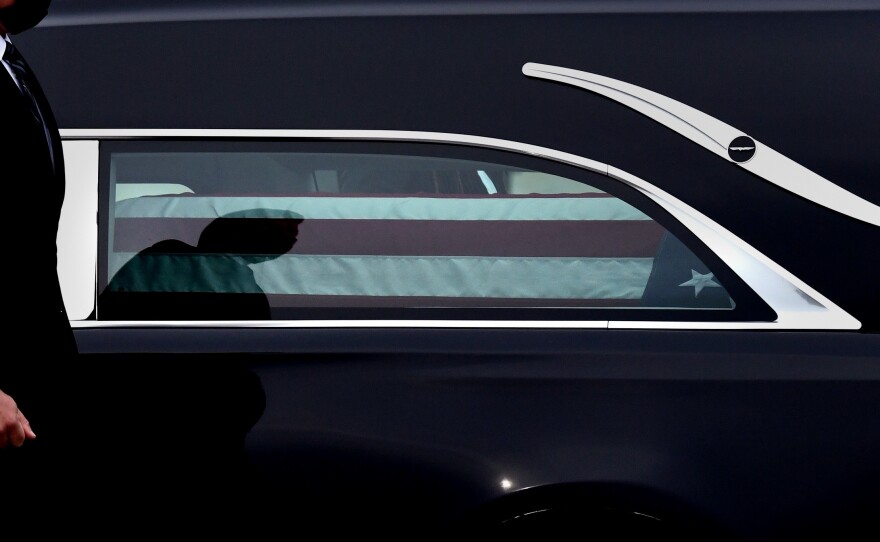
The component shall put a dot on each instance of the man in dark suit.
(38, 374)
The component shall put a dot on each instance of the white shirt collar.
(3, 41)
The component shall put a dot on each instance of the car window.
(233, 231)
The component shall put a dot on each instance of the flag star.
(700, 281)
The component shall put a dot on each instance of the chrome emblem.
(741, 149)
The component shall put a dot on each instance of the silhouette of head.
(254, 234)
(19, 15)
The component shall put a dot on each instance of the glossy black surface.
(802, 82)
(753, 435)
(674, 434)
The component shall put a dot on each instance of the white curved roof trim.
(716, 136)
(797, 305)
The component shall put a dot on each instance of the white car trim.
(77, 238)
(716, 136)
(797, 305)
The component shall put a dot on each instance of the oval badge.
(741, 149)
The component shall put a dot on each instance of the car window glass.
(265, 235)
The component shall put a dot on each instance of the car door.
(461, 329)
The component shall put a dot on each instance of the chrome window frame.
(797, 305)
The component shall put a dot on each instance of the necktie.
(26, 82)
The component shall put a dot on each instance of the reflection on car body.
(508, 304)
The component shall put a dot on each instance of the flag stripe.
(422, 276)
(569, 207)
(595, 238)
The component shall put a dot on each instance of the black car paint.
(754, 436)
(762, 435)
(803, 83)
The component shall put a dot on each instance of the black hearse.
(497, 267)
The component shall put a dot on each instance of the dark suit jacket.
(33, 190)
